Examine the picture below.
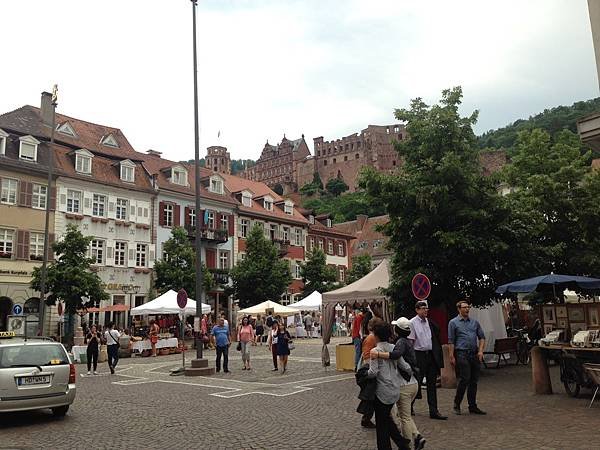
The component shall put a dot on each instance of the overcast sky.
(319, 68)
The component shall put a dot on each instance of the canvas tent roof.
(167, 304)
(262, 308)
(367, 289)
(311, 303)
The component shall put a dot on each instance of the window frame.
(83, 163)
(8, 189)
(121, 208)
(96, 205)
(169, 215)
(5, 241)
(36, 197)
(120, 252)
(330, 247)
(141, 255)
(340, 249)
(125, 169)
(95, 249)
(244, 227)
(38, 246)
(72, 200)
(33, 142)
(223, 256)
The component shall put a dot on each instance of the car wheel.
(60, 411)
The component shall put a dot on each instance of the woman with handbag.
(245, 339)
(283, 346)
(154, 330)
(93, 344)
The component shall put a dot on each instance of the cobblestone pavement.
(142, 407)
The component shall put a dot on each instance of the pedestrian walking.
(204, 331)
(368, 344)
(272, 343)
(93, 345)
(428, 350)
(466, 341)
(112, 346)
(356, 340)
(245, 337)
(308, 324)
(387, 391)
(154, 332)
(283, 346)
(260, 329)
(220, 334)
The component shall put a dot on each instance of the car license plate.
(40, 379)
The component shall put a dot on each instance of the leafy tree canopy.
(347, 206)
(336, 186)
(361, 266)
(261, 275)
(69, 277)
(316, 274)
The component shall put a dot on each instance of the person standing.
(259, 330)
(246, 339)
(368, 344)
(283, 347)
(111, 336)
(220, 333)
(272, 343)
(308, 324)
(428, 350)
(154, 331)
(204, 331)
(356, 323)
(93, 344)
(466, 341)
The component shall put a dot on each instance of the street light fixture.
(130, 289)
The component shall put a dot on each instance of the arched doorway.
(6, 305)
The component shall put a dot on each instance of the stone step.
(199, 363)
(199, 371)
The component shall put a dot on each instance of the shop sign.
(16, 273)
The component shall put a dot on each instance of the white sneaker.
(89, 373)
(95, 373)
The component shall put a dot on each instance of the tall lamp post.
(130, 289)
(44, 269)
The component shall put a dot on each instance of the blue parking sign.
(17, 310)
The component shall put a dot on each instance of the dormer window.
(288, 208)
(3, 139)
(83, 161)
(127, 171)
(110, 141)
(311, 219)
(179, 176)
(268, 203)
(329, 223)
(66, 129)
(28, 148)
(247, 199)
(216, 185)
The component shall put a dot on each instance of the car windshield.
(32, 355)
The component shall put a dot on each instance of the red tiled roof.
(367, 233)
(318, 227)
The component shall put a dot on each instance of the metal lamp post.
(130, 289)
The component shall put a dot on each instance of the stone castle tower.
(218, 159)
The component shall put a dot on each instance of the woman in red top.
(246, 338)
(154, 331)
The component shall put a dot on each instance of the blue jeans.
(357, 350)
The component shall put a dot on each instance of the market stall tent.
(366, 291)
(167, 304)
(311, 303)
(264, 307)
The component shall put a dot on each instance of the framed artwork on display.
(562, 323)
(561, 312)
(593, 317)
(549, 314)
(576, 314)
(547, 329)
(577, 326)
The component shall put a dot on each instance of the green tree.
(336, 186)
(361, 265)
(316, 274)
(446, 219)
(261, 275)
(317, 180)
(69, 277)
(178, 270)
(309, 189)
(347, 206)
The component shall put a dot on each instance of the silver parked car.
(35, 373)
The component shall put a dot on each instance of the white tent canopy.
(264, 307)
(167, 304)
(311, 303)
(368, 288)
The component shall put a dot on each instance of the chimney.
(361, 220)
(46, 109)
(154, 153)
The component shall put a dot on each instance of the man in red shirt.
(358, 317)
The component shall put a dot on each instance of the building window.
(28, 148)
(3, 137)
(330, 247)
(298, 237)
(223, 260)
(168, 215)
(288, 208)
(179, 176)
(311, 243)
(285, 233)
(342, 274)
(268, 205)
(192, 217)
(311, 219)
(247, 200)
(324, 162)
(140, 255)
(377, 243)
(363, 245)
(357, 156)
(273, 232)
(329, 223)
(210, 220)
(340, 249)
(334, 160)
(127, 173)
(297, 273)
(83, 164)
(6, 242)
(39, 196)
(98, 205)
(321, 244)
(73, 201)
(36, 246)
(122, 206)
(216, 186)
(244, 226)
(97, 251)
(9, 191)
(224, 222)
(120, 253)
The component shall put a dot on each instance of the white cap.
(402, 322)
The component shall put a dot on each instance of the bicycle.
(524, 344)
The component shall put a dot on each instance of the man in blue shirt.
(466, 341)
(220, 335)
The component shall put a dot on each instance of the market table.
(300, 332)
(140, 346)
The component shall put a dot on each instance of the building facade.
(367, 239)
(218, 159)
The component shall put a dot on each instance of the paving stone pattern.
(142, 407)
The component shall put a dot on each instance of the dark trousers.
(92, 355)
(467, 375)
(225, 352)
(427, 368)
(113, 355)
(386, 428)
(274, 352)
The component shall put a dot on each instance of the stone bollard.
(448, 373)
(540, 375)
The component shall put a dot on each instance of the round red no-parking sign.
(182, 298)
(421, 286)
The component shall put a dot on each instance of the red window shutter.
(201, 218)
(53, 198)
(217, 221)
(22, 244)
(186, 218)
(211, 258)
(231, 223)
(176, 219)
(161, 214)
(23, 193)
(50, 242)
